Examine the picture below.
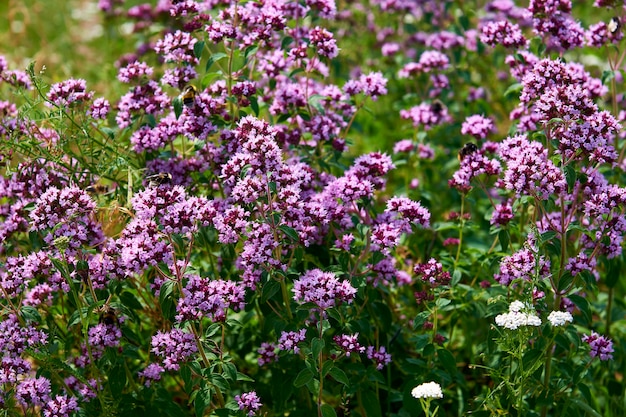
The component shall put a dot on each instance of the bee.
(467, 149)
(97, 189)
(109, 318)
(189, 95)
(436, 106)
(159, 179)
(614, 25)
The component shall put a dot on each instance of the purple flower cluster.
(473, 165)
(432, 272)
(67, 214)
(503, 33)
(68, 92)
(322, 289)
(249, 402)
(204, 297)
(552, 18)
(601, 346)
(349, 343)
(371, 85)
(529, 170)
(174, 347)
(380, 357)
(429, 61)
(523, 264)
(290, 340)
(427, 115)
(477, 126)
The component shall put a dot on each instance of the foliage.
(361, 208)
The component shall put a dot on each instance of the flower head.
(560, 318)
(601, 346)
(427, 390)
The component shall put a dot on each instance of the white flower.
(516, 306)
(519, 315)
(515, 320)
(560, 318)
(427, 390)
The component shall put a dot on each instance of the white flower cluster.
(560, 318)
(427, 390)
(516, 318)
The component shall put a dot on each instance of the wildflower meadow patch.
(313, 208)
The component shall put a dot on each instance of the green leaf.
(220, 382)
(30, 313)
(503, 237)
(446, 358)
(117, 379)
(177, 102)
(304, 377)
(565, 281)
(513, 91)
(213, 59)
(254, 105)
(201, 401)
(129, 300)
(250, 50)
(339, 375)
(290, 232)
(230, 371)
(326, 368)
(328, 411)
(197, 49)
(316, 346)
(371, 404)
(269, 289)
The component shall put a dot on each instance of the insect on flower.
(614, 25)
(436, 106)
(97, 189)
(109, 317)
(159, 179)
(467, 149)
(188, 96)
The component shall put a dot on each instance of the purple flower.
(146, 98)
(380, 356)
(174, 346)
(324, 43)
(477, 126)
(427, 115)
(134, 72)
(601, 346)
(411, 211)
(348, 343)
(177, 47)
(529, 170)
(521, 265)
(433, 273)
(67, 92)
(290, 340)
(67, 213)
(372, 85)
(60, 406)
(152, 373)
(404, 145)
(503, 33)
(249, 402)
(473, 165)
(267, 353)
(502, 214)
(204, 297)
(33, 392)
(323, 289)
